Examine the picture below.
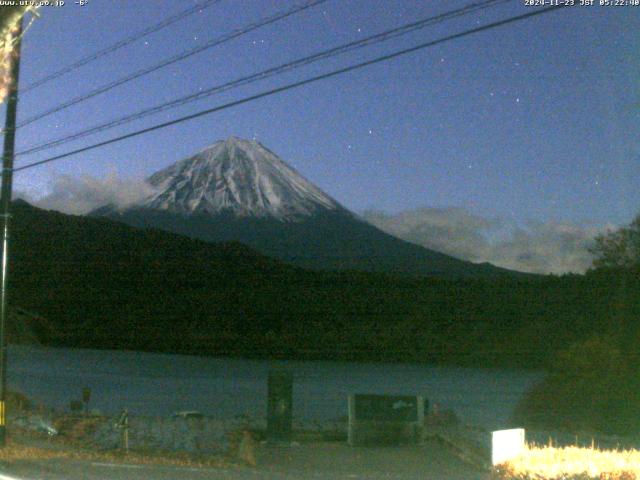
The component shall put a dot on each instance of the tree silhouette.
(618, 249)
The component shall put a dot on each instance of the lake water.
(160, 384)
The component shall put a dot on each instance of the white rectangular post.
(351, 410)
(506, 444)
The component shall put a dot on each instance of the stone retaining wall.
(193, 435)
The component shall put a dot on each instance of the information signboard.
(385, 419)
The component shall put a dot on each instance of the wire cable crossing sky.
(293, 85)
(201, 94)
(121, 44)
(169, 61)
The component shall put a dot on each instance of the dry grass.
(551, 463)
(78, 427)
(15, 451)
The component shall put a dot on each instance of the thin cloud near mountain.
(537, 247)
(81, 195)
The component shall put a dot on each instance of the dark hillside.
(103, 284)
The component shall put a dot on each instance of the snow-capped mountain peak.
(239, 176)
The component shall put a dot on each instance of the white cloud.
(80, 195)
(538, 247)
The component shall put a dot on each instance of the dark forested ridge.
(328, 240)
(102, 284)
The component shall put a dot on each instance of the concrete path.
(322, 461)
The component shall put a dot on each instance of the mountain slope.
(324, 241)
(238, 190)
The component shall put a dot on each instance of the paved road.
(321, 461)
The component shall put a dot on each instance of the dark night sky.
(539, 120)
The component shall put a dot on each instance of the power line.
(351, 46)
(291, 86)
(120, 44)
(176, 58)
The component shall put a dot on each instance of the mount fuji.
(238, 190)
(240, 177)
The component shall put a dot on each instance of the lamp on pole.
(14, 36)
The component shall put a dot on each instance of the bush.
(591, 388)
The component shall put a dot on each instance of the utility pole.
(5, 209)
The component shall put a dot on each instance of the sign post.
(385, 419)
(86, 396)
(280, 405)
